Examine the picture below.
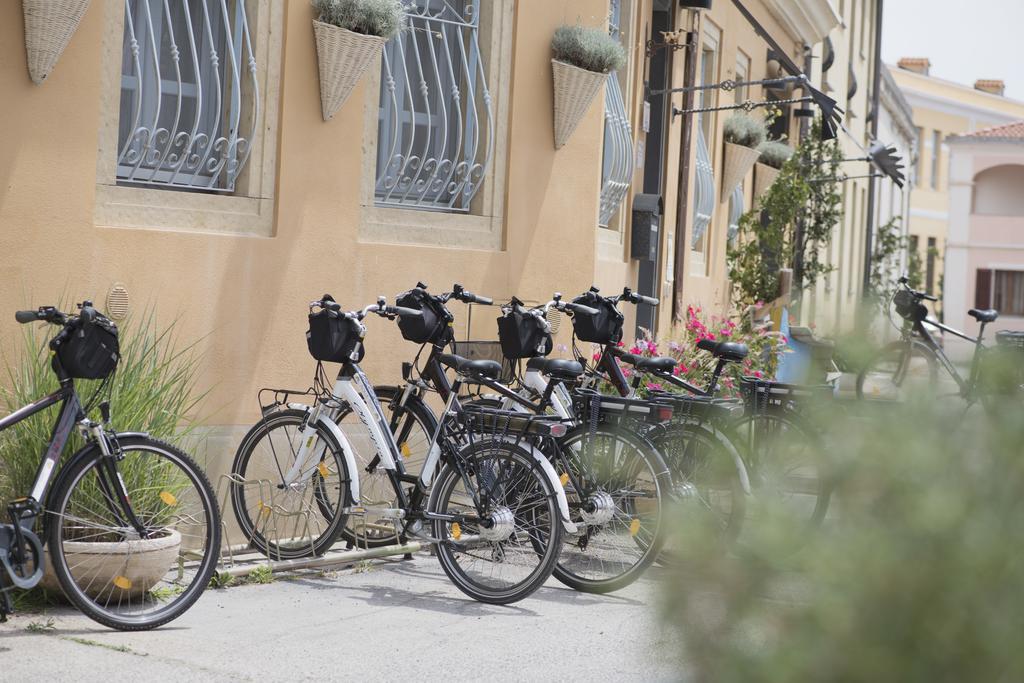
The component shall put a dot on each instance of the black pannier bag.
(431, 326)
(333, 338)
(522, 335)
(91, 351)
(603, 328)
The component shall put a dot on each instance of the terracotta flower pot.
(575, 90)
(738, 162)
(127, 567)
(764, 177)
(343, 57)
(49, 25)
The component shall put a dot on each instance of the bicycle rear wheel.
(507, 553)
(105, 567)
(613, 480)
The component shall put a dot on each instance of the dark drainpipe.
(685, 142)
(873, 182)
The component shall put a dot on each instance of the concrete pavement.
(396, 619)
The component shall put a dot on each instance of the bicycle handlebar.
(50, 314)
(24, 317)
(465, 296)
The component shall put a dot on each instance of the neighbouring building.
(942, 109)
(177, 159)
(985, 247)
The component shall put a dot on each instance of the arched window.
(999, 191)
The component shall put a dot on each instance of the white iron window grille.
(735, 212)
(189, 94)
(704, 190)
(617, 166)
(435, 138)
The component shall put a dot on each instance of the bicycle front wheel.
(300, 518)
(507, 552)
(117, 576)
(898, 370)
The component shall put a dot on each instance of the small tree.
(792, 223)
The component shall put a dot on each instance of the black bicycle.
(130, 524)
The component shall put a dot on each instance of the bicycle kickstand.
(6, 605)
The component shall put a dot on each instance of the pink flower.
(725, 332)
(627, 372)
(653, 386)
(652, 348)
(621, 344)
(758, 374)
(635, 350)
(596, 357)
(784, 339)
(711, 336)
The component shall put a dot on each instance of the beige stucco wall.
(245, 296)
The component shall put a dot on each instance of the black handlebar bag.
(522, 335)
(908, 306)
(430, 326)
(603, 328)
(90, 351)
(333, 338)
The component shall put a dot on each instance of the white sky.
(965, 39)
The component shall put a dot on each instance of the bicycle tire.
(331, 518)
(539, 521)
(904, 349)
(71, 492)
(588, 567)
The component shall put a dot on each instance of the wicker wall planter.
(49, 25)
(764, 177)
(575, 90)
(343, 56)
(738, 162)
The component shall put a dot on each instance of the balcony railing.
(436, 126)
(189, 94)
(704, 190)
(618, 151)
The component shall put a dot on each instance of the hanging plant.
(582, 59)
(743, 135)
(774, 154)
(49, 25)
(349, 36)
(795, 219)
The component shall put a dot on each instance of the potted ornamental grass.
(774, 154)
(743, 135)
(49, 25)
(349, 36)
(581, 60)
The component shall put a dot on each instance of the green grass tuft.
(588, 48)
(384, 18)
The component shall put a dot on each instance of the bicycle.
(494, 508)
(613, 478)
(727, 452)
(129, 523)
(912, 362)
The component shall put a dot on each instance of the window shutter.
(983, 288)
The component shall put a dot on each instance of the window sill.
(430, 229)
(146, 209)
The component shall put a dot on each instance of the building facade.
(942, 109)
(985, 248)
(177, 160)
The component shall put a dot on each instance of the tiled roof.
(1009, 132)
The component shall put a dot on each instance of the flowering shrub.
(696, 366)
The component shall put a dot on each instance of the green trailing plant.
(154, 389)
(794, 221)
(384, 18)
(774, 153)
(889, 244)
(744, 130)
(919, 579)
(591, 49)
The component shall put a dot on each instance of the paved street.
(396, 620)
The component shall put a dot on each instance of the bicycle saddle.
(733, 351)
(480, 368)
(986, 315)
(556, 367)
(661, 364)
